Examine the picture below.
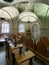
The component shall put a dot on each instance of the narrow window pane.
(5, 27)
(21, 28)
(36, 32)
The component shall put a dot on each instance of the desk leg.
(30, 62)
(26, 49)
(35, 58)
(20, 51)
(13, 59)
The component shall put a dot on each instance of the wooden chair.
(42, 51)
(31, 45)
(45, 41)
(23, 40)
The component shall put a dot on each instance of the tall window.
(36, 31)
(5, 27)
(21, 28)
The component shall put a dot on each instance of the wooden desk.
(20, 58)
(18, 46)
(2, 40)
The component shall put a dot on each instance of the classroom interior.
(24, 32)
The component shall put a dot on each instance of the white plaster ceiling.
(12, 11)
(4, 3)
(28, 16)
(17, 1)
(9, 12)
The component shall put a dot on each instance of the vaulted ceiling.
(13, 2)
(27, 5)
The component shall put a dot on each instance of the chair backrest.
(41, 48)
(45, 41)
(31, 44)
(23, 39)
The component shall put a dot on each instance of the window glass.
(21, 28)
(5, 27)
(36, 31)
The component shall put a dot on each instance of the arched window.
(21, 28)
(5, 27)
(36, 31)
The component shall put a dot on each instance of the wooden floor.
(3, 58)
